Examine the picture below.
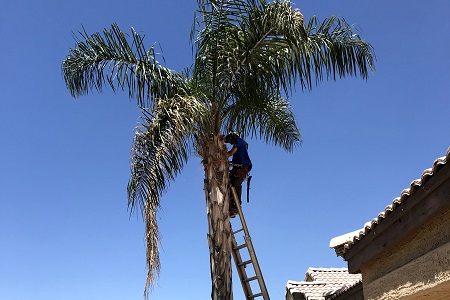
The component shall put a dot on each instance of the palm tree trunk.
(219, 228)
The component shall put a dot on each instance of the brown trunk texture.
(219, 228)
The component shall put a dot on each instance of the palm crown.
(248, 57)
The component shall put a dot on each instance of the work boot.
(232, 208)
(233, 212)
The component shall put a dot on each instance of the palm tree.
(249, 55)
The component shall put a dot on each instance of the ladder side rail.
(250, 247)
(256, 267)
(239, 208)
(240, 269)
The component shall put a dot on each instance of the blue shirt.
(241, 155)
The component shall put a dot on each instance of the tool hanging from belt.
(249, 178)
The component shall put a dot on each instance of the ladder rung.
(240, 247)
(245, 263)
(234, 232)
(252, 260)
(255, 295)
(250, 279)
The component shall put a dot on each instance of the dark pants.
(237, 176)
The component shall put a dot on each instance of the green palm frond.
(272, 44)
(215, 42)
(161, 148)
(268, 117)
(265, 37)
(110, 59)
(336, 50)
(253, 38)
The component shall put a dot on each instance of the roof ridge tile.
(343, 243)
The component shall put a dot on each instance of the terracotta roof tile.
(335, 293)
(323, 281)
(343, 243)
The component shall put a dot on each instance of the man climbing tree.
(249, 55)
(241, 166)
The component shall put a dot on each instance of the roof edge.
(343, 243)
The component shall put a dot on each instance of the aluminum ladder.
(252, 260)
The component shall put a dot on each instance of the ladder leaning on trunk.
(241, 265)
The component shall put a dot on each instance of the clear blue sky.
(65, 231)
